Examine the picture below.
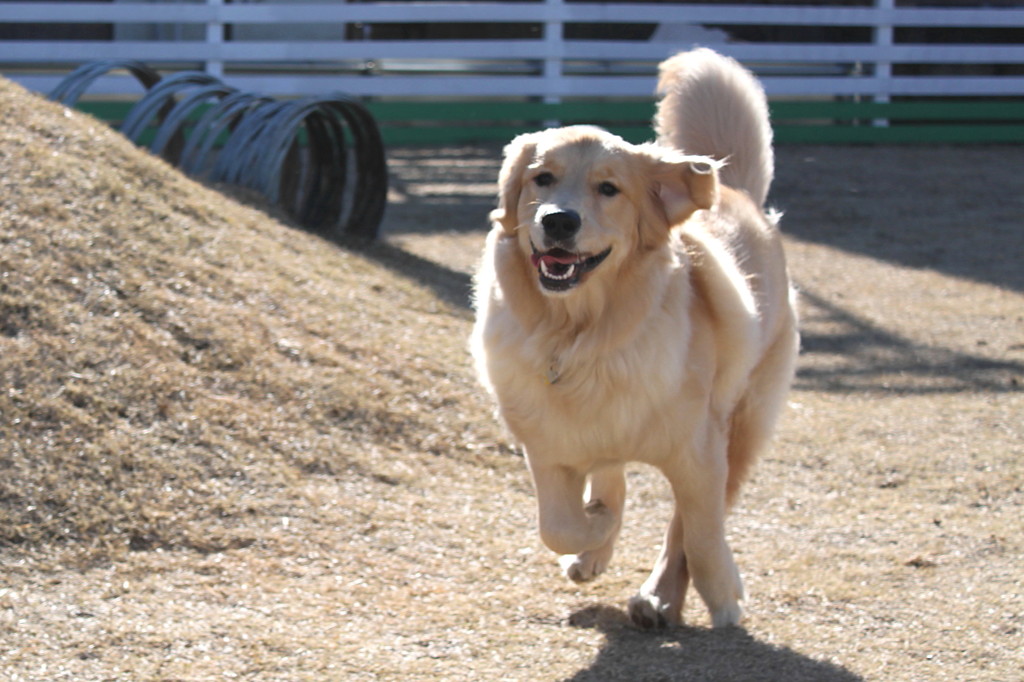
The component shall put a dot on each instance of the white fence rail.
(297, 48)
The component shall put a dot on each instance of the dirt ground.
(880, 539)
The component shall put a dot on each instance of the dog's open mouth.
(561, 270)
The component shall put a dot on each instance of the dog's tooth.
(550, 275)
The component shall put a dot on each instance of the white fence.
(296, 48)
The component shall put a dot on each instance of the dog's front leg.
(695, 547)
(608, 486)
(712, 567)
(660, 600)
(700, 492)
(567, 525)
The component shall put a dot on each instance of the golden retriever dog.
(633, 305)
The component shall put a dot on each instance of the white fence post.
(215, 37)
(883, 39)
(554, 49)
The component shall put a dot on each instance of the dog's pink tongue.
(557, 257)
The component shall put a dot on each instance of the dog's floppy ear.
(684, 184)
(518, 154)
(677, 186)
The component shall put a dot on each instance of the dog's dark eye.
(544, 180)
(607, 189)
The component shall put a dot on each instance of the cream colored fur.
(676, 349)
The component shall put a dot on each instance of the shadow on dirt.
(693, 654)
(852, 356)
(955, 210)
(451, 286)
(950, 209)
(855, 355)
(441, 190)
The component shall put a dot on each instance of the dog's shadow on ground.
(692, 654)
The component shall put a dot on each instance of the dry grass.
(230, 450)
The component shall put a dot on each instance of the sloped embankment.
(171, 360)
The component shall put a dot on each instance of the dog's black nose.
(560, 226)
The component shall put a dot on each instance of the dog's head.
(582, 202)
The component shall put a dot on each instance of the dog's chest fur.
(559, 397)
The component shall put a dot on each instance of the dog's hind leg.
(606, 486)
(758, 410)
(567, 526)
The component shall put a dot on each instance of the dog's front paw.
(725, 616)
(584, 567)
(649, 611)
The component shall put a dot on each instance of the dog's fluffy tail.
(714, 107)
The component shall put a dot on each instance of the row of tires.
(320, 159)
